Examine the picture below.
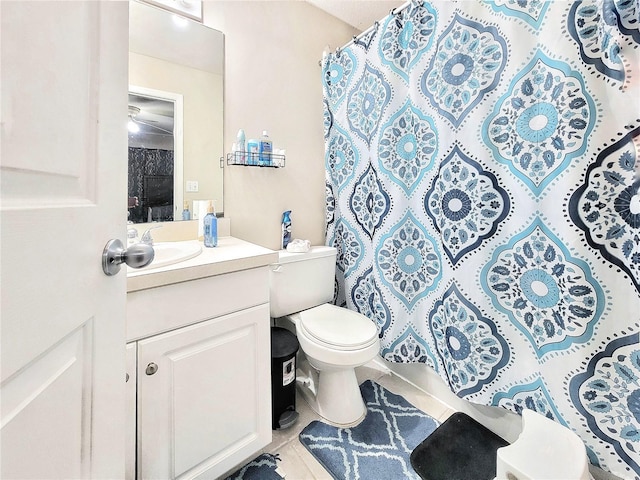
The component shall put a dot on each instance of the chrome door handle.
(151, 369)
(137, 256)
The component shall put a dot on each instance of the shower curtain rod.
(393, 11)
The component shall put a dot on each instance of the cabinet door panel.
(207, 406)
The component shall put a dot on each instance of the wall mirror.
(175, 114)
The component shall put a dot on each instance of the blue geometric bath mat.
(263, 467)
(378, 447)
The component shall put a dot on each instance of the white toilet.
(333, 340)
(545, 450)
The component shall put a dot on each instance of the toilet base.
(333, 394)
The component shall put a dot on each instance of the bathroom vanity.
(198, 363)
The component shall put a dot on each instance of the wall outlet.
(192, 186)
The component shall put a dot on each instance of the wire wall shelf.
(253, 159)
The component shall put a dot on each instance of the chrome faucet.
(146, 236)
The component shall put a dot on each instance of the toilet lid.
(338, 327)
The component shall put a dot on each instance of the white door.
(63, 192)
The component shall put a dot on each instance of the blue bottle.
(210, 226)
(286, 228)
(265, 149)
(253, 152)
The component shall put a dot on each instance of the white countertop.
(231, 255)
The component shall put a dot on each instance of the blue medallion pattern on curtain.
(369, 202)
(604, 30)
(606, 205)
(547, 294)
(465, 203)
(530, 11)
(467, 64)
(484, 197)
(408, 144)
(608, 395)
(541, 123)
(405, 37)
(469, 345)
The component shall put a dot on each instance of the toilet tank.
(301, 280)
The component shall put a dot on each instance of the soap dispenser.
(210, 225)
(186, 214)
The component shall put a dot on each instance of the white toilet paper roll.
(298, 246)
(199, 211)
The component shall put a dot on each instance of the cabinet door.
(204, 402)
(130, 415)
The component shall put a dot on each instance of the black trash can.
(284, 346)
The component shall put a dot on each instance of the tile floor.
(298, 464)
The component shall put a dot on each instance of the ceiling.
(360, 14)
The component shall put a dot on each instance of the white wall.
(273, 82)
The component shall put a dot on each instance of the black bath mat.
(459, 449)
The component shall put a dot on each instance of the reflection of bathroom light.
(180, 21)
(132, 126)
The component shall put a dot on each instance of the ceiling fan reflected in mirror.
(150, 116)
(132, 126)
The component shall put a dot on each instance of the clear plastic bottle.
(210, 226)
(253, 152)
(266, 148)
(241, 152)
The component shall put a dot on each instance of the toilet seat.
(337, 328)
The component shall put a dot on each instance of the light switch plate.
(192, 186)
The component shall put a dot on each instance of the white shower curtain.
(483, 194)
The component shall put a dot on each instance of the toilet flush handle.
(276, 268)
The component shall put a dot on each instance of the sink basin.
(168, 253)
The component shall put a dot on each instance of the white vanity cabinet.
(202, 359)
(130, 419)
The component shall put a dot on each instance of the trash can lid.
(283, 342)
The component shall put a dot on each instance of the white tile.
(290, 465)
(317, 470)
(447, 413)
(416, 397)
(369, 371)
(282, 437)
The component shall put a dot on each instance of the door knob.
(151, 369)
(137, 256)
